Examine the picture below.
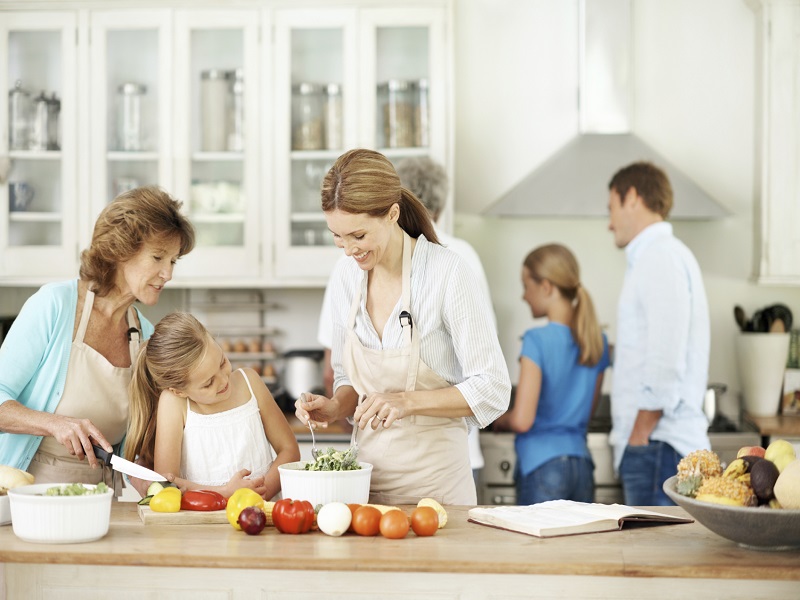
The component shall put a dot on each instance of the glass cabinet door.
(131, 91)
(404, 84)
(315, 107)
(216, 124)
(38, 153)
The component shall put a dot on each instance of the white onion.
(334, 518)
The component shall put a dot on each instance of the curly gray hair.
(427, 180)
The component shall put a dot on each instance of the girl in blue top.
(561, 373)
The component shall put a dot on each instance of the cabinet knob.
(505, 466)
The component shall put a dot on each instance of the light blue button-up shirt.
(663, 338)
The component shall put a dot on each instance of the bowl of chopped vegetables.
(60, 513)
(335, 476)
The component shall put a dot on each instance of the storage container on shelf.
(397, 102)
(333, 116)
(307, 117)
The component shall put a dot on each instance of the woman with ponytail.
(561, 373)
(415, 353)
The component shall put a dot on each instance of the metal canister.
(53, 114)
(39, 123)
(19, 117)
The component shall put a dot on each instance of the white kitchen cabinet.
(362, 52)
(38, 180)
(254, 197)
(779, 234)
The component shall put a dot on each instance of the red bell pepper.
(203, 500)
(293, 516)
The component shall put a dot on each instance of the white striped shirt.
(458, 337)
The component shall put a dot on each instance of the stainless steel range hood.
(574, 181)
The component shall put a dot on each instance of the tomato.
(394, 525)
(353, 508)
(424, 520)
(203, 500)
(293, 516)
(367, 520)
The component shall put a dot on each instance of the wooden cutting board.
(183, 517)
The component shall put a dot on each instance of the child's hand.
(242, 480)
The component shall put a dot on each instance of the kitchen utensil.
(751, 527)
(125, 466)
(741, 318)
(302, 372)
(711, 401)
(20, 195)
(59, 519)
(314, 451)
(183, 517)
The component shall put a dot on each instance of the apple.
(751, 451)
(252, 520)
(781, 453)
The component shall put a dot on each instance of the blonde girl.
(201, 425)
(561, 373)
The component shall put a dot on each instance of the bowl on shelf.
(759, 528)
(59, 519)
(321, 487)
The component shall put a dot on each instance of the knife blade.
(125, 466)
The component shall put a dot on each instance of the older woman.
(66, 362)
(415, 351)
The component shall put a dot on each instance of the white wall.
(695, 102)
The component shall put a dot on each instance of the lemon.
(437, 507)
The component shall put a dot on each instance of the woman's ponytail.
(586, 329)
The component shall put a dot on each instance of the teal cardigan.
(34, 358)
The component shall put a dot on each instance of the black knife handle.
(102, 454)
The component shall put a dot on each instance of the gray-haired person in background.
(427, 180)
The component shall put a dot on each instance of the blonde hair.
(365, 182)
(165, 361)
(558, 265)
(125, 225)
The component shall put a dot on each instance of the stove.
(496, 479)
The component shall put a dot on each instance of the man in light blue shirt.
(663, 338)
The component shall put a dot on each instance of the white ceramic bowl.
(321, 487)
(5, 510)
(58, 519)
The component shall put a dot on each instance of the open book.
(565, 517)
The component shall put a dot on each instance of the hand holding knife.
(125, 466)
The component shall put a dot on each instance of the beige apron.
(418, 456)
(95, 390)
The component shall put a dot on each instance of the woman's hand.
(315, 410)
(379, 409)
(76, 436)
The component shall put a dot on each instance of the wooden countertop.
(676, 551)
(779, 425)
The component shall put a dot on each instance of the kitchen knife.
(125, 466)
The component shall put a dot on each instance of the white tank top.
(217, 446)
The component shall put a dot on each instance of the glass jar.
(213, 110)
(236, 112)
(397, 102)
(19, 117)
(307, 117)
(422, 115)
(333, 117)
(130, 132)
(39, 127)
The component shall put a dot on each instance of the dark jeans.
(562, 478)
(643, 471)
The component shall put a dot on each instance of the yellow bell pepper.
(167, 500)
(241, 499)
